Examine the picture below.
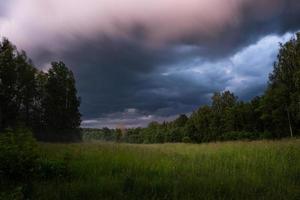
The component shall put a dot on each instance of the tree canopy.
(42, 101)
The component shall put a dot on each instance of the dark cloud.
(160, 65)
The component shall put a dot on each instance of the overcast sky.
(137, 61)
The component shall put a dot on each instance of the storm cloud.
(159, 58)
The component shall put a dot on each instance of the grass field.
(229, 170)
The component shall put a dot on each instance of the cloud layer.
(161, 58)
(56, 25)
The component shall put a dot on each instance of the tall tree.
(8, 84)
(281, 102)
(39, 110)
(222, 102)
(26, 87)
(181, 121)
(202, 120)
(17, 86)
(61, 103)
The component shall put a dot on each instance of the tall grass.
(230, 170)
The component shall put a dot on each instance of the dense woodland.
(47, 103)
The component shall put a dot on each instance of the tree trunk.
(289, 119)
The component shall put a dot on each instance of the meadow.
(228, 170)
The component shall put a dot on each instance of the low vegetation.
(229, 170)
(22, 163)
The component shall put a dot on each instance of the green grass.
(229, 170)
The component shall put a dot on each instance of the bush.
(186, 140)
(21, 163)
(240, 135)
(265, 135)
(135, 139)
(12, 194)
(52, 168)
(18, 154)
(66, 136)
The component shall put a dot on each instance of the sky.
(137, 61)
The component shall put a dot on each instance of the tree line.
(45, 102)
(275, 114)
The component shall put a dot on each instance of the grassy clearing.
(230, 170)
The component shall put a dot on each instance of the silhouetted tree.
(61, 103)
(281, 102)
(17, 86)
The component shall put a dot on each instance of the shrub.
(265, 135)
(52, 168)
(186, 139)
(12, 194)
(66, 136)
(134, 139)
(240, 135)
(244, 135)
(18, 154)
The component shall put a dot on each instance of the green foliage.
(202, 121)
(265, 135)
(61, 102)
(41, 101)
(227, 170)
(186, 139)
(13, 194)
(22, 163)
(97, 134)
(181, 121)
(118, 135)
(18, 154)
(134, 135)
(17, 87)
(281, 102)
(21, 158)
(240, 135)
(52, 168)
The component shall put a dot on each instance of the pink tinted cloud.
(56, 23)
